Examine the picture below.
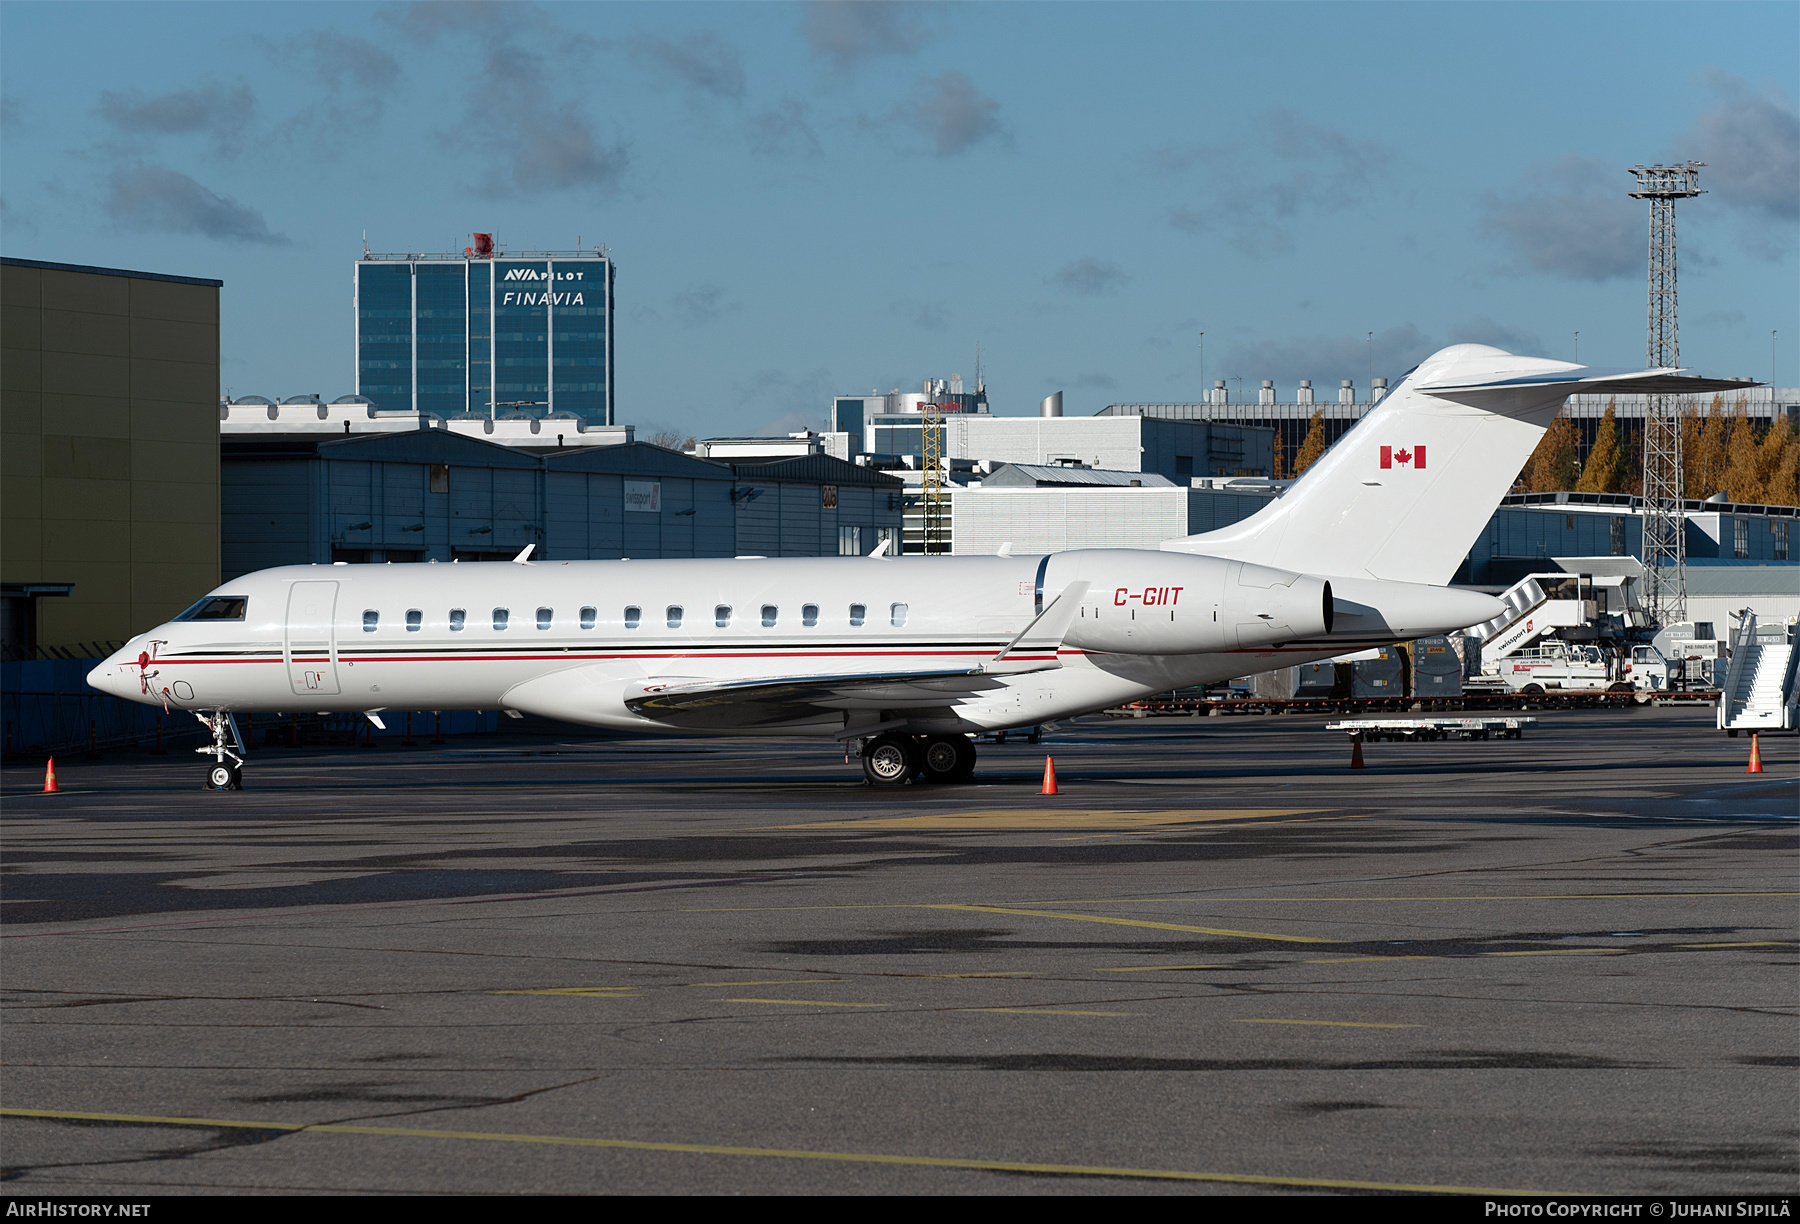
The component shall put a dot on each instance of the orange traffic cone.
(1356, 761)
(1755, 756)
(1049, 777)
(50, 776)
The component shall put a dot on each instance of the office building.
(889, 429)
(487, 332)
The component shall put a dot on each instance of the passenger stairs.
(1530, 614)
(1760, 692)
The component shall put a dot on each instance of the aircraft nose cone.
(116, 676)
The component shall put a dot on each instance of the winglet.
(881, 549)
(524, 555)
(1047, 631)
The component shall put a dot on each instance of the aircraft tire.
(220, 777)
(940, 758)
(965, 752)
(890, 760)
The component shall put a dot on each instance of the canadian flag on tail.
(1414, 458)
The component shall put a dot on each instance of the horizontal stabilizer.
(1581, 379)
(1405, 492)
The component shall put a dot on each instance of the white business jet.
(907, 657)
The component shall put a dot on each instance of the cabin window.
(722, 616)
(769, 615)
(458, 618)
(415, 619)
(501, 616)
(371, 620)
(674, 616)
(809, 615)
(857, 614)
(632, 618)
(588, 617)
(897, 615)
(544, 616)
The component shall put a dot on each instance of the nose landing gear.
(227, 770)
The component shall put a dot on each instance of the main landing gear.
(892, 760)
(227, 770)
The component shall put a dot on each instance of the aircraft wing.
(698, 704)
(761, 701)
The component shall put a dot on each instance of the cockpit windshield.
(217, 608)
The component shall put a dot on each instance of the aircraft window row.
(590, 617)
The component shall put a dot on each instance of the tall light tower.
(1665, 539)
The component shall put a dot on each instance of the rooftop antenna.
(365, 244)
(1665, 534)
(979, 385)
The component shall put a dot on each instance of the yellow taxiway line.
(1133, 922)
(1330, 1023)
(711, 1149)
(1054, 818)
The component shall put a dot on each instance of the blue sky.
(814, 198)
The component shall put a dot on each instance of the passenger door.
(309, 638)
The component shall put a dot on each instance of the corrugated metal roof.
(632, 459)
(402, 446)
(816, 469)
(1050, 476)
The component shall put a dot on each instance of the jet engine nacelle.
(1148, 603)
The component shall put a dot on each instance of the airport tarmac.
(1219, 961)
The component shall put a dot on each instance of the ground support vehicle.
(1421, 729)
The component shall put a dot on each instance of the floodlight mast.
(1665, 530)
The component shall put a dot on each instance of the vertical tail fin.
(1405, 493)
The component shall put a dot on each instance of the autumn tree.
(1777, 460)
(1552, 466)
(1782, 488)
(1692, 426)
(1739, 478)
(1313, 445)
(1605, 469)
(1704, 463)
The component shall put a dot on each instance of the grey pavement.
(1219, 961)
